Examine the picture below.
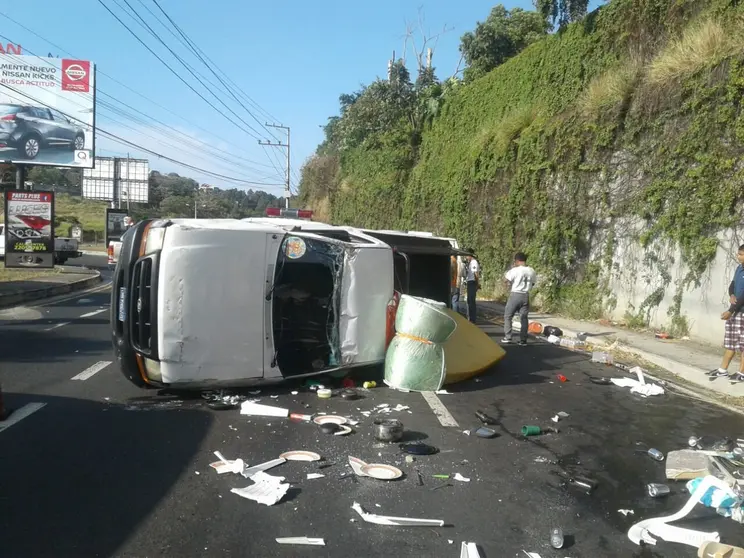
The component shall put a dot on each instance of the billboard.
(29, 229)
(120, 180)
(117, 222)
(47, 111)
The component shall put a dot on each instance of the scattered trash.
(252, 408)
(602, 358)
(657, 490)
(554, 339)
(663, 335)
(369, 385)
(459, 477)
(537, 430)
(301, 540)
(410, 459)
(388, 430)
(248, 472)
(541, 459)
(637, 387)
(484, 418)
(483, 432)
(343, 430)
(311, 476)
(656, 454)
(561, 378)
(583, 483)
(330, 427)
(348, 383)
(626, 512)
(443, 392)
(295, 392)
(556, 537)
(469, 550)
(687, 464)
(197, 473)
(441, 476)
(711, 549)
(325, 419)
(349, 394)
(418, 448)
(659, 526)
(381, 471)
(552, 330)
(693, 441)
(324, 393)
(226, 465)
(267, 489)
(396, 521)
(600, 381)
(531, 554)
(300, 417)
(300, 455)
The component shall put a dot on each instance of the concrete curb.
(14, 299)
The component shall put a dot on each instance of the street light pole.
(287, 191)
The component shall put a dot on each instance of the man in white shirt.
(472, 280)
(520, 278)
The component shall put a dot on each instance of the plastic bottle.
(369, 385)
(556, 538)
(656, 454)
(657, 490)
(710, 549)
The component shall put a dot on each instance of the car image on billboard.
(47, 111)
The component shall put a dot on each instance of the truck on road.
(209, 303)
(64, 248)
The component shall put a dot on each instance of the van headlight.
(152, 368)
(154, 240)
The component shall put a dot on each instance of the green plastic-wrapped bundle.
(415, 357)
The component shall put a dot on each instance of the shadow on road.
(66, 490)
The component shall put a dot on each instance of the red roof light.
(289, 213)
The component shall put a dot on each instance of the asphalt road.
(104, 469)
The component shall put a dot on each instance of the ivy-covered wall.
(630, 116)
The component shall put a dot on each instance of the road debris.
(301, 540)
(249, 472)
(459, 477)
(469, 550)
(256, 409)
(395, 521)
(312, 476)
(226, 465)
(635, 386)
(267, 489)
(556, 537)
(388, 430)
(300, 455)
(626, 512)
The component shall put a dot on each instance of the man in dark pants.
(520, 279)
(472, 280)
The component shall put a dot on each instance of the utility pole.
(287, 191)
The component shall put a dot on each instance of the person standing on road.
(457, 277)
(733, 337)
(472, 280)
(520, 279)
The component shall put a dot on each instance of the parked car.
(209, 303)
(28, 129)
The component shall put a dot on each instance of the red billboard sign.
(10, 48)
(76, 75)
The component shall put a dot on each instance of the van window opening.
(305, 302)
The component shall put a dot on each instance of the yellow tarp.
(468, 352)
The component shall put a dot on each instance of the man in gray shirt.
(520, 279)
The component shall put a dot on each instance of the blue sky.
(293, 59)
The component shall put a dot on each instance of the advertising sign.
(29, 229)
(117, 222)
(122, 180)
(47, 111)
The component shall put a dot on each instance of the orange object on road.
(535, 328)
(562, 378)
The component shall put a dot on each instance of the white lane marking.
(17, 416)
(92, 370)
(55, 326)
(84, 301)
(89, 314)
(440, 411)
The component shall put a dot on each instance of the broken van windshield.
(305, 305)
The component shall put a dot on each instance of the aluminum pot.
(388, 430)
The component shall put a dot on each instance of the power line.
(195, 50)
(171, 69)
(125, 86)
(288, 186)
(123, 141)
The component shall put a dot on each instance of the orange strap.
(415, 338)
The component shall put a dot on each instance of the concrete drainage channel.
(22, 296)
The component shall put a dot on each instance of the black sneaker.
(716, 373)
(506, 341)
(523, 343)
(737, 377)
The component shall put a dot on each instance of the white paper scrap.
(531, 554)
(248, 472)
(301, 540)
(626, 512)
(443, 392)
(397, 521)
(469, 550)
(311, 476)
(227, 465)
(459, 477)
(252, 408)
(637, 387)
(267, 489)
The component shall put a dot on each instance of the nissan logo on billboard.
(75, 72)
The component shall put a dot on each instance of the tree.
(562, 11)
(504, 34)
